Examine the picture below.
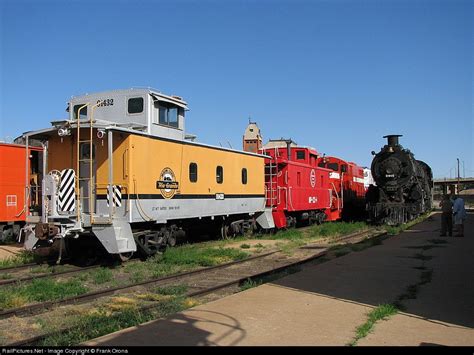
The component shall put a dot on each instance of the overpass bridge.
(451, 185)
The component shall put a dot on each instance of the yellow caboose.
(122, 169)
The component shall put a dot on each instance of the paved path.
(324, 304)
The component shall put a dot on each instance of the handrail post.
(78, 188)
(111, 171)
(91, 160)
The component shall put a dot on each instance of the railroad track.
(50, 273)
(199, 282)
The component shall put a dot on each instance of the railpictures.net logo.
(56, 351)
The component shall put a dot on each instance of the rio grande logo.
(167, 183)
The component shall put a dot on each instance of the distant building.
(252, 140)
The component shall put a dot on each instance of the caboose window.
(83, 111)
(85, 151)
(219, 175)
(193, 172)
(168, 114)
(135, 105)
(333, 166)
(300, 155)
(244, 176)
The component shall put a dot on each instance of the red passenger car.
(297, 189)
(347, 179)
(17, 196)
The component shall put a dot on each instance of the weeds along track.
(39, 307)
(38, 272)
(199, 282)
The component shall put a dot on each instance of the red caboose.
(347, 178)
(18, 196)
(297, 189)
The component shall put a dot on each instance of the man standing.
(459, 213)
(446, 216)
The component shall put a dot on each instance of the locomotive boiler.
(404, 185)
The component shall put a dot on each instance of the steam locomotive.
(404, 185)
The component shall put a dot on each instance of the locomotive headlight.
(100, 133)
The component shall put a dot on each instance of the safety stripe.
(117, 195)
(67, 196)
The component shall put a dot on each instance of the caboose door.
(87, 172)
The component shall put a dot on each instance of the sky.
(335, 75)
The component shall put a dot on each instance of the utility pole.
(458, 175)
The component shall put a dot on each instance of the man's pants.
(446, 223)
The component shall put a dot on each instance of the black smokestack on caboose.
(288, 148)
(392, 139)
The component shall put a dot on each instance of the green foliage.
(337, 228)
(191, 255)
(249, 283)
(174, 290)
(101, 275)
(394, 230)
(40, 290)
(245, 246)
(383, 311)
(24, 257)
(102, 322)
(289, 234)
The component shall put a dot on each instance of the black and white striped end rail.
(67, 196)
(117, 195)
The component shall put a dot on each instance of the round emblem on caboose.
(167, 183)
(312, 178)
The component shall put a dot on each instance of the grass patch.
(257, 281)
(289, 247)
(249, 283)
(382, 312)
(39, 291)
(24, 257)
(101, 275)
(394, 230)
(173, 290)
(289, 234)
(334, 229)
(191, 255)
(105, 321)
(245, 246)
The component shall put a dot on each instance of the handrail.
(78, 188)
(91, 159)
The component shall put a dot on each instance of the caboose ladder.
(85, 169)
(271, 176)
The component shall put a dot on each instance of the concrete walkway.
(324, 304)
